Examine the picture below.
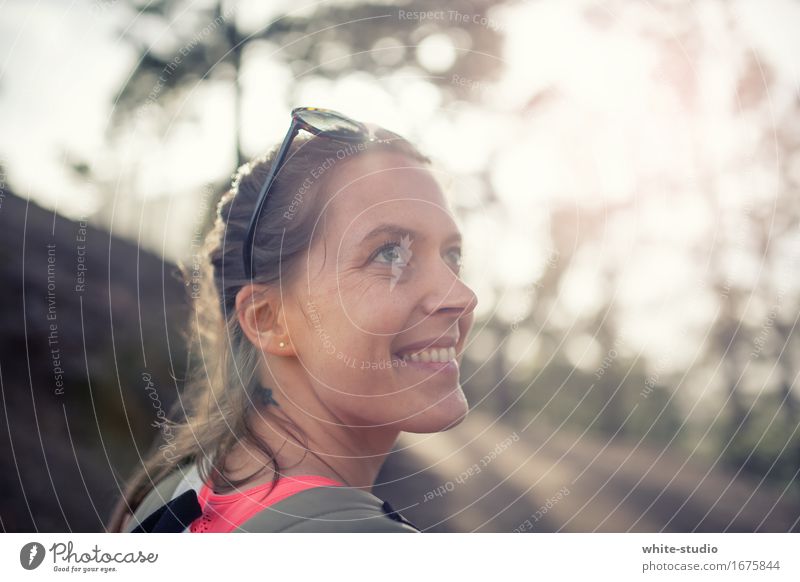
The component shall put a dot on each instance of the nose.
(447, 293)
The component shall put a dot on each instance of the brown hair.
(222, 387)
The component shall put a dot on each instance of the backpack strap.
(329, 509)
(172, 504)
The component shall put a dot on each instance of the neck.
(335, 448)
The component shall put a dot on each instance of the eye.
(458, 259)
(391, 252)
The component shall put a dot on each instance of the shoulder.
(329, 509)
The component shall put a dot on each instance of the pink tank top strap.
(224, 513)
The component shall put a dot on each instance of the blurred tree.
(330, 41)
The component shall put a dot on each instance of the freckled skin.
(345, 311)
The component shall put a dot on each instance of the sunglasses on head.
(320, 122)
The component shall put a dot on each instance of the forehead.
(379, 184)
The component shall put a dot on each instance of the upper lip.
(438, 342)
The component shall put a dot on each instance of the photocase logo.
(404, 253)
(31, 555)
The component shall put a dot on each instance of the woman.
(332, 303)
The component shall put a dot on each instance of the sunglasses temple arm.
(262, 196)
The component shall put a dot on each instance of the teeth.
(432, 355)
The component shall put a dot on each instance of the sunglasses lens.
(331, 123)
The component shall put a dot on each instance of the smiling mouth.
(430, 355)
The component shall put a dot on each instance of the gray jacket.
(318, 509)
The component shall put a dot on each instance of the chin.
(440, 416)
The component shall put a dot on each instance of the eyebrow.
(401, 231)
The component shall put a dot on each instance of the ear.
(262, 320)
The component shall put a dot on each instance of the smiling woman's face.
(381, 282)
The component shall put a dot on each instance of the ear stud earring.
(283, 345)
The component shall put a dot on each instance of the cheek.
(350, 351)
(375, 310)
